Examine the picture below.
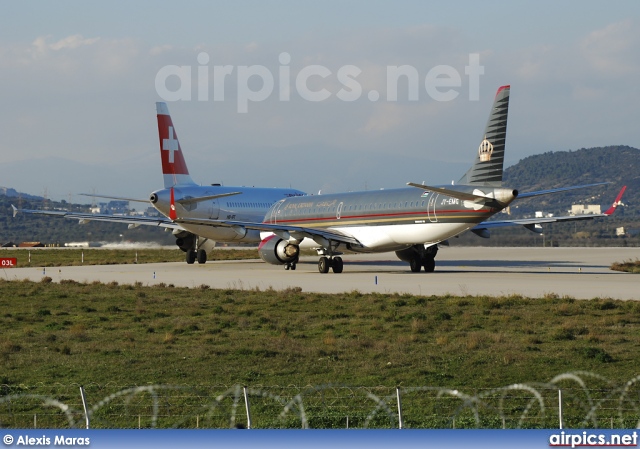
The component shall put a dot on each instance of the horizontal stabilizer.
(487, 201)
(199, 199)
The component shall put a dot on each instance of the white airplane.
(181, 195)
(411, 221)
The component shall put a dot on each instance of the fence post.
(35, 421)
(84, 405)
(400, 423)
(246, 404)
(560, 407)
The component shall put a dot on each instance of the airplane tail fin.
(174, 167)
(487, 168)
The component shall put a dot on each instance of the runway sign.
(8, 262)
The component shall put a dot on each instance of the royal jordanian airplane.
(411, 221)
(181, 195)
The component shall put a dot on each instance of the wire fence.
(571, 400)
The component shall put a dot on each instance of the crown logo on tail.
(485, 150)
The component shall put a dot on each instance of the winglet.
(172, 207)
(616, 203)
(15, 210)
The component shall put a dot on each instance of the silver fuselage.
(390, 220)
(251, 205)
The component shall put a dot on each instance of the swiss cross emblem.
(170, 145)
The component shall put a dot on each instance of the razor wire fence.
(567, 401)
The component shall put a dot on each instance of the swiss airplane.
(181, 195)
(411, 221)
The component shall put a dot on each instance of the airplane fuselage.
(250, 205)
(390, 220)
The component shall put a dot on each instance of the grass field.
(116, 336)
(51, 257)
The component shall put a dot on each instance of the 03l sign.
(8, 262)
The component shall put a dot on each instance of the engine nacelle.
(276, 251)
(185, 240)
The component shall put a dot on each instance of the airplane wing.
(281, 230)
(561, 189)
(85, 218)
(533, 224)
(117, 198)
(183, 201)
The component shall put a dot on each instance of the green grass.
(110, 337)
(628, 266)
(51, 257)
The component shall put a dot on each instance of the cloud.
(41, 44)
(613, 50)
(74, 41)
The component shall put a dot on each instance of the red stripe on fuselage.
(346, 219)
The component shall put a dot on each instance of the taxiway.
(581, 273)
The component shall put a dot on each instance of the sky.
(307, 101)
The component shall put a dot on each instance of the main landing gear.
(420, 257)
(199, 255)
(194, 248)
(334, 263)
(291, 265)
(427, 262)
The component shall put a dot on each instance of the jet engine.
(276, 251)
(186, 241)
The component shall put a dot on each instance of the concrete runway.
(581, 273)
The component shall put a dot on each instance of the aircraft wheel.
(202, 256)
(429, 265)
(287, 266)
(415, 265)
(191, 257)
(323, 265)
(293, 266)
(337, 265)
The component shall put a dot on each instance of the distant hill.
(12, 193)
(619, 165)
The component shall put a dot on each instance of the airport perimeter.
(570, 400)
